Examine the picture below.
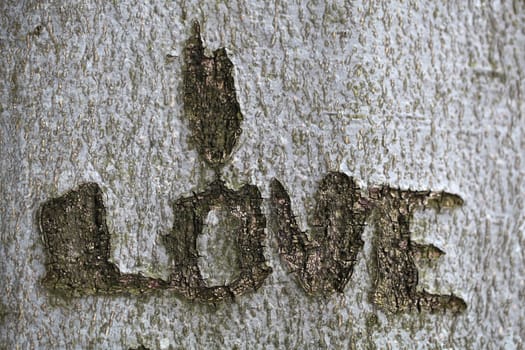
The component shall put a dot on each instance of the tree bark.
(416, 96)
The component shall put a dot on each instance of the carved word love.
(76, 237)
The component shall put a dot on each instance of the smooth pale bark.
(414, 95)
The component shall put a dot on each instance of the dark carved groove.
(77, 243)
(393, 253)
(324, 262)
(181, 243)
(210, 101)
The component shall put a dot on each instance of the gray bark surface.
(413, 94)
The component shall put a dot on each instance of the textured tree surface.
(324, 263)
(414, 96)
(210, 103)
(393, 253)
(77, 242)
(246, 224)
(324, 260)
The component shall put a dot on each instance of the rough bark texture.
(181, 244)
(210, 102)
(323, 260)
(419, 96)
(76, 241)
(396, 275)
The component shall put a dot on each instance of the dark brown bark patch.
(395, 286)
(77, 242)
(323, 261)
(210, 101)
(181, 244)
(77, 247)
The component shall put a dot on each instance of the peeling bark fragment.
(181, 244)
(396, 274)
(210, 101)
(77, 245)
(324, 263)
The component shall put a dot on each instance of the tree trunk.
(422, 97)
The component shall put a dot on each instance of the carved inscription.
(210, 101)
(74, 229)
(77, 242)
(77, 246)
(396, 275)
(214, 115)
(181, 243)
(324, 263)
